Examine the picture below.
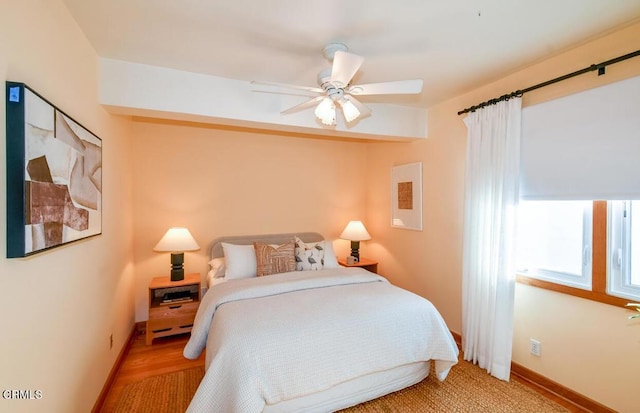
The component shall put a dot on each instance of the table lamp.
(355, 232)
(177, 240)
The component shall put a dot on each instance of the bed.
(317, 338)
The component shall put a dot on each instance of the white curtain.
(490, 211)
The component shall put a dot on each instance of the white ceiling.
(453, 45)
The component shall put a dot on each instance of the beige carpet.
(467, 389)
(166, 393)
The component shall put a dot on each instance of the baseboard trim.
(551, 386)
(97, 407)
(559, 390)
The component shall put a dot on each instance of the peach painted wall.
(225, 181)
(59, 308)
(425, 262)
(588, 347)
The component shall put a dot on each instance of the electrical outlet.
(110, 341)
(535, 347)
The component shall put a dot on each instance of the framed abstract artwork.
(54, 175)
(406, 196)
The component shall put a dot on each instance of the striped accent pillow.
(275, 259)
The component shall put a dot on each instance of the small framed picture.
(406, 196)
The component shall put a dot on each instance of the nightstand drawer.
(173, 310)
(170, 324)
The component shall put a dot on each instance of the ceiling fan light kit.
(335, 88)
(349, 110)
(326, 112)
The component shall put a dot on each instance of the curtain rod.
(600, 67)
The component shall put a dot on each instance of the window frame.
(582, 280)
(599, 264)
(620, 239)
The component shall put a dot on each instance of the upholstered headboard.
(216, 246)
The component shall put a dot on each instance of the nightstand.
(172, 306)
(367, 264)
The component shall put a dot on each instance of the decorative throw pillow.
(309, 256)
(275, 259)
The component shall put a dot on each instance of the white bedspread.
(288, 335)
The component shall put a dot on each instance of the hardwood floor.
(165, 356)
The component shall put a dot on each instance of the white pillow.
(330, 260)
(218, 267)
(216, 281)
(240, 261)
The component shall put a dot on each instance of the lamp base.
(177, 270)
(177, 274)
(355, 250)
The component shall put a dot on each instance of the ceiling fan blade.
(387, 88)
(345, 65)
(285, 85)
(364, 111)
(307, 104)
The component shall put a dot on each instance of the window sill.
(576, 292)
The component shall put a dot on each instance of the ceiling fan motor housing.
(335, 93)
(324, 81)
(324, 78)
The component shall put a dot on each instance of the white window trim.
(619, 251)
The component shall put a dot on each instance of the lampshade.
(355, 231)
(326, 111)
(349, 110)
(177, 240)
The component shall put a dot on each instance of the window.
(579, 146)
(624, 249)
(585, 249)
(554, 241)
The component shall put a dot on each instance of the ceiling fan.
(335, 89)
